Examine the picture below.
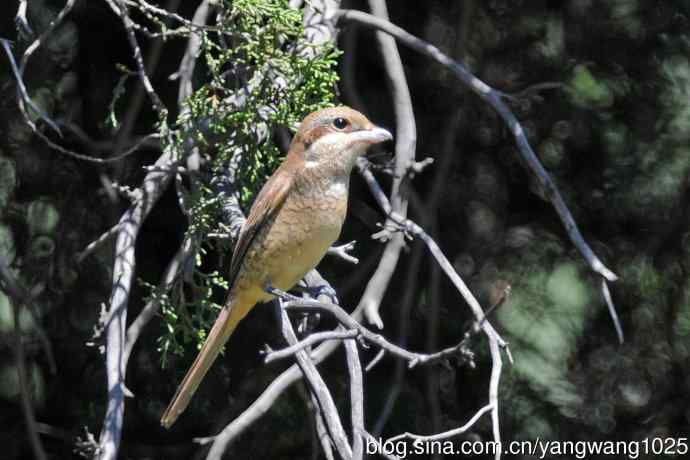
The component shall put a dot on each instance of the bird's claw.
(323, 290)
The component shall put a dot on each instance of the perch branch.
(319, 390)
(310, 340)
(349, 323)
(265, 401)
(354, 368)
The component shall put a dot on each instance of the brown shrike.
(295, 218)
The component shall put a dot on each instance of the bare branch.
(319, 389)
(176, 266)
(320, 430)
(379, 356)
(130, 223)
(347, 320)
(495, 340)
(446, 434)
(612, 310)
(311, 339)
(20, 20)
(405, 145)
(493, 98)
(188, 62)
(23, 95)
(97, 243)
(139, 60)
(23, 98)
(354, 367)
(342, 251)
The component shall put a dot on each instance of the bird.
(295, 218)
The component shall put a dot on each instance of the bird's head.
(335, 137)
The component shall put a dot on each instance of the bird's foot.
(323, 290)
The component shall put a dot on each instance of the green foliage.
(264, 78)
(587, 91)
(545, 318)
(187, 311)
(242, 105)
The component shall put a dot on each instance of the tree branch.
(130, 223)
(318, 388)
(493, 98)
(405, 145)
(446, 434)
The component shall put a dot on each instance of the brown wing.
(267, 204)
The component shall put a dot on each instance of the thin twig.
(310, 340)
(495, 340)
(177, 265)
(139, 60)
(379, 356)
(446, 434)
(493, 98)
(405, 145)
(612, 310)
(347, 320)
(23, 95)
(97, 243)
(342, 251)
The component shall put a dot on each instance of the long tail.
(231, 314)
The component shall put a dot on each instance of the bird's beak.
(373, 135)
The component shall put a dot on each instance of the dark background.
(614, 133)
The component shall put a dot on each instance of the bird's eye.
(340, 123)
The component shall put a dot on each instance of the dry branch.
(130, 223)
(493, 98)
(405, 145)
(318, 387)
(446, 434)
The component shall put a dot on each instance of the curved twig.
(493, 98)
(310, 340)
(446, 434)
